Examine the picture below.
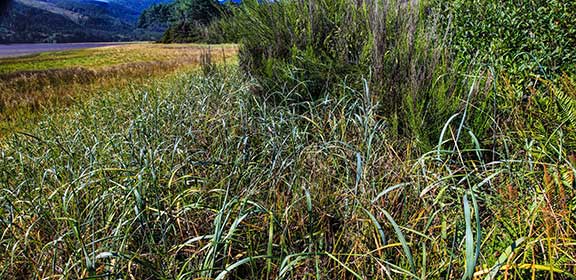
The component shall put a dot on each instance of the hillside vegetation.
(63, 21)
(350, 140)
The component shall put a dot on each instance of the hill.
(32, 21)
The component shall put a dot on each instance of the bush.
(188, 21)
(520, 37)
(421, 58)
(194, 32)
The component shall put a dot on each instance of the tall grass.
(420, 58)
(354, 144)
(399, 47)
(196, 177)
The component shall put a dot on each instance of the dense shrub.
(187, 21)
(157, 16)
(195, 32)
(519, 36)
(313, 43)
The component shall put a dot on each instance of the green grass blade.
(470, 255)
(402, 240)
(235, 265)
(503, 259)
(377, 226)
(344, 265)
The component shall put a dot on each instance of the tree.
(197, 11)
(4, 4)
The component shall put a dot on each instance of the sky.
(233, 1)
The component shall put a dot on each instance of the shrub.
(521, 37)
(195, 32)
(421, 58)
(195, 21)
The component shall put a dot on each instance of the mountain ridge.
(64, 21)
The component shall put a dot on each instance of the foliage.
(200, 11)
(180, 32)
(521, 37)
(189, 21)
(394, 45)
(359, 140)
(419, 57)
(314, 43)
(157, 16)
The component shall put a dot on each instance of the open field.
(52, 80)
(96, 58)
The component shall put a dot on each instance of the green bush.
(421, 58)
(195, 32)
(521, 37)
(187, 21)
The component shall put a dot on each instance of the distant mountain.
(75, 21)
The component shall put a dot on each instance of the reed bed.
(354, 140)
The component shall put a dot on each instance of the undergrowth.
(420, 58)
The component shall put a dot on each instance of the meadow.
(345, 141)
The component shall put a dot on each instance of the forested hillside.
(74, 21)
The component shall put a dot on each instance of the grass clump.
(420, 58)
(314, 43)
(397, 47)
